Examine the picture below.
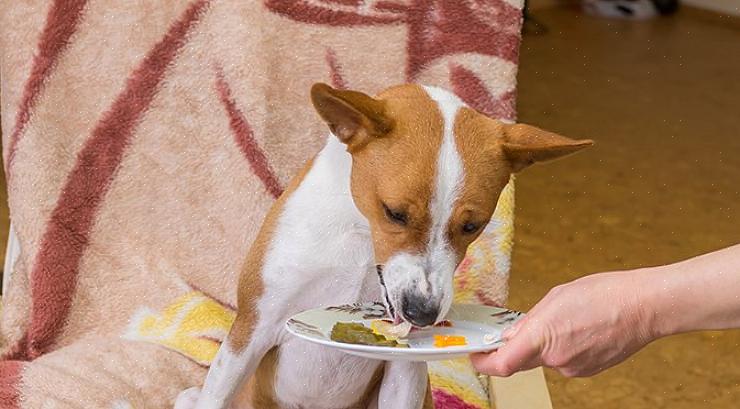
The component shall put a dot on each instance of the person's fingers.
(519, 354)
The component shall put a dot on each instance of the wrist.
(694, 294)
(666, 309)
(655, 302)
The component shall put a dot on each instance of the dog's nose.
(419, 311)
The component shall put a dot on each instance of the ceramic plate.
(471, 321)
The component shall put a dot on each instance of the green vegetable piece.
(356, 333)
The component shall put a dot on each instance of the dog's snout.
(419, 311)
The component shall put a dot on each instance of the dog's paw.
(187, 399)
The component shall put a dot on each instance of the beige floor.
(662, 100)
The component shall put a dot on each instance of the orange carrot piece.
(441, 341)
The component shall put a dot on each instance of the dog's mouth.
(388, 305)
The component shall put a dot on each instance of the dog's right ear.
(353, 117)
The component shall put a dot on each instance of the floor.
(661, 98)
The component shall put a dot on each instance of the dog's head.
(427, 172)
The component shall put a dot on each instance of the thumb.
(518, 354)
(511, 331)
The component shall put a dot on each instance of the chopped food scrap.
(489, 338)
(390, 331)
(441, 341)
(356, 333)
(443, 323)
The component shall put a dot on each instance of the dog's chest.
(314, 377)
(310, 376)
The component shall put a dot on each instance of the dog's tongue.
(397, 320)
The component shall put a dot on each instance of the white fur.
(404, 385)
(449, 182)
(321, 254)
(432, 271)
(227, 373)
(187, 399)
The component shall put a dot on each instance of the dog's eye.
(397, 217)
(469, 228)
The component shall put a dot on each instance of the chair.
(120, 123)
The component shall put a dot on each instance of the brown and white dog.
(404, 184)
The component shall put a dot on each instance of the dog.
(385, 211)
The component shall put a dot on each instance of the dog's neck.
(337, 162)
(330, 179)
(320, 224)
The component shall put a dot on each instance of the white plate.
(471, 321)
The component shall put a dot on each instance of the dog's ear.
(352, 116)
(525, 145)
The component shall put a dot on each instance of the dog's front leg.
(236, 360)
(404, 385)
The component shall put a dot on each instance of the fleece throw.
(143, 144)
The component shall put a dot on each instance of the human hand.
(579, 328)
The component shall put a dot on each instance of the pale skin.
(588, 325)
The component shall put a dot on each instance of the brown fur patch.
(526, 144)
(262, 384)
(397, 169)
(353, 117)
(428, 400)
(478, 141)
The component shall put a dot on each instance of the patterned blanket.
(143, 144)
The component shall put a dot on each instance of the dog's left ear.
(525, 145)
(355, 118)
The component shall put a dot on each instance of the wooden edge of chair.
(12, 251)
(524, 390)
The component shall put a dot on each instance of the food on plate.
(356, 333)
(443, 323)
(490, 338)
(390, 331)
(441, 341)
(383, 332)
